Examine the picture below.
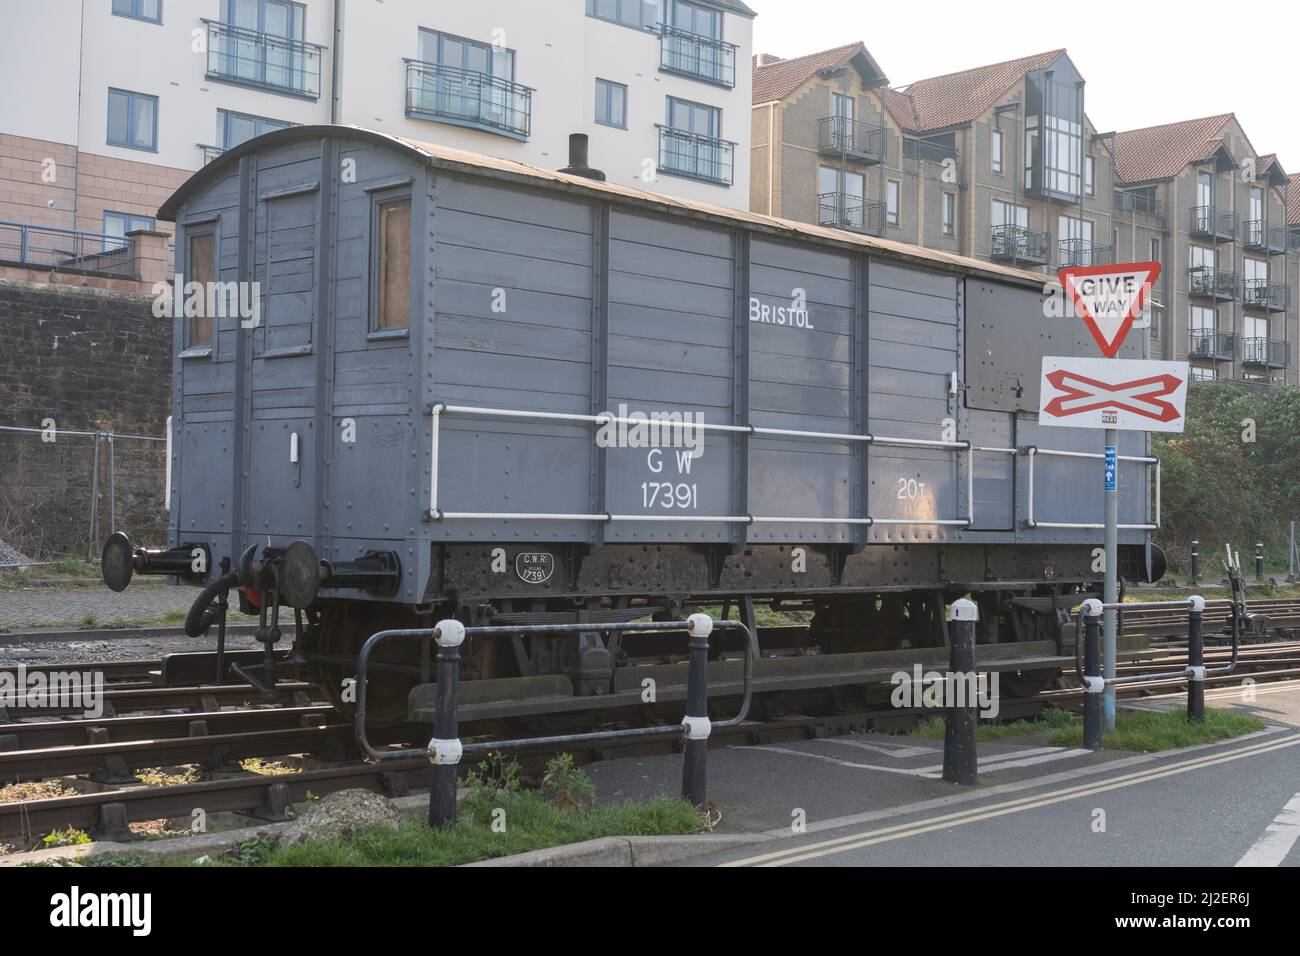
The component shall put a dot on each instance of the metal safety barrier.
(1033, 452)
(446, 749)
(1088, 658)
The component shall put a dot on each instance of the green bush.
(1221, 489)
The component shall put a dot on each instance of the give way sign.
(1110, 298)
(1124, 394)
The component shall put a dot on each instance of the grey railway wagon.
(455, 361)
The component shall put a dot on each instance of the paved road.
(1223, 805)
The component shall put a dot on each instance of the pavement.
(874, 800)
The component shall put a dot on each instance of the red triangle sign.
(1110, 298)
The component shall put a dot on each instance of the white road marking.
(897, 751)
(1280, 835)
(1026, 758)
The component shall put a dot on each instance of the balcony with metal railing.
(844, 211)
(928, 151)
(448, 94)
(1266, 296)
(1143, 203)
(1019, 244)
(210, 152)
(1269, 353)
(1205, 282)
(1211, 344)
(866, 142)
(263, 60)
(1263, 236)
(1083, 252)
(1218, 225)
(67, 250)
(693, 156)
(698, 57)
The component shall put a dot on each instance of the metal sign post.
(1110, 587)
(1132, 395)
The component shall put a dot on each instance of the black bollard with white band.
(960, 760)
(696, 726)
(1195, 660)
(445, 748)
(1094, 685)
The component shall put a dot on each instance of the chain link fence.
(63, 492)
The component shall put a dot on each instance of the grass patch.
(497, 818)
(524, 820)
(1136, 730)
(985, 731)
(1153, 731)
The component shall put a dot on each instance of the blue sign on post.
(1112, 467)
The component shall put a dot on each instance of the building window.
(1202, 320)
(201, 267)
(997, 151)
(949, 214)
(1089, 172)
(638, 14)
(840, 199)
(132, 120)
(467, 55)
(118, 224)
(235, 128)
(1155, 250)
(468, 83)
(391, 267)
(611, 104)
(691, 143)
(150, 10)
(1203, 374)
(1010, 214)
(1054, 143)
(691, 17)
(891, 202)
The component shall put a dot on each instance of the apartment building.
(999, 162)
(1198, 197)
(159, 87)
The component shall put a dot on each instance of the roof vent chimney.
(578, 159)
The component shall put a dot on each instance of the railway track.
(150, 726)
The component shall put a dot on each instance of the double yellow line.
(902, 831)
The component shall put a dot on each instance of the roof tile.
(776, 81)
(958, 98)
(1161, 152)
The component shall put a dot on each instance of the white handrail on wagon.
(436, 412)
(1034, 452)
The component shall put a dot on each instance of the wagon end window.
(393, 298)
(203, 269)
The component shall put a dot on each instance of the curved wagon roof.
(511, 171)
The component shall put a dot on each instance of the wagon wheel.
(343, 629)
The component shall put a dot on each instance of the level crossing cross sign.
(1124, 394)
(1110, 298)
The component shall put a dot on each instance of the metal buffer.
(1088, 660)
(960, 760)
(446, 750)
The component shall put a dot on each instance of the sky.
(1145, 63)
